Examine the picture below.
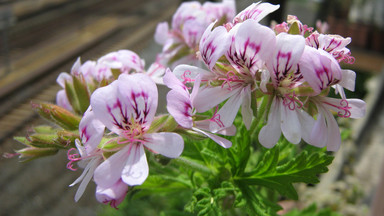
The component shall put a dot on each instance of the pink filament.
(292, 102)
(216, 118)
(344, 108)
(185, 77)
(72, 157)
(230, 77)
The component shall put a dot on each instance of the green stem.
(265, 105)
(193, 165)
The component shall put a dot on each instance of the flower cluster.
(181, 41)
(279, 77)
(289, 68)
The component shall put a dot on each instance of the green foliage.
(246, 179)
(305, 167)
(312, 211)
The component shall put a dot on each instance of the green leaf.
(303, 168)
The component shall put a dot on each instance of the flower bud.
(58, 115)
(30, 153)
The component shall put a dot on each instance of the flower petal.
(91, 131)
(172, 82)
(161, 34)
(108, 108)
(228, 112)
(213, 44)
(348, 79)
(319, 136)
(251, 45)
(187, 73)
(271, 132)
(333, 133)
(63, 78)
(179, 106)
(290, 125)
(138, 94)
(319, 69)
(219, 140)
(209, 97)
(89, 170)
(287, 53)
(113, 195)
(110, 171)
(168, 144)
(255, 11)
(62, 100)
(136, 168)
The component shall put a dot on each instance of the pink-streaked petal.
(179, 106)
(246, 110)
(91, 131)
(290, 125)
(136, 169)
(168, 144)
(332, 43)
(139, 97)
(209, 97)
(213, 44)
(217, 139)
(271, 132)
(107, 106)
(62, 100)
(319, 132)
(287, 53)
(319, 68)
(255, 11)
(112, 195)
(110, 171)
(251, 46)
(161, 34)
(228, 112)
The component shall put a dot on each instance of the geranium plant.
(249, 113)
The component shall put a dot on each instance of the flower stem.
(193, 165)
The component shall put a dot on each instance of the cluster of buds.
(279, 76)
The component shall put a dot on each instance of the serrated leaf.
(303, 168)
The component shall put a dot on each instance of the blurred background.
(41, 38)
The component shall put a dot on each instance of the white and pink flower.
(127, 107)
